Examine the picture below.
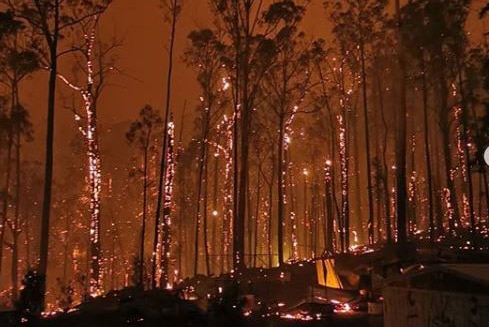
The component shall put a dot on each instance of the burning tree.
(17, 62)
(51, 21)
(143, 133)
(97, 63)
(161, 241)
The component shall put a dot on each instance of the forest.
(294, 147)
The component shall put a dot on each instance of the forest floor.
(161, 308)
(116, 320)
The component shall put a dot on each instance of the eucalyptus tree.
(457, 45)
(356, 26)
(248, 26)
(417, 41)
(439, 38)
(325, 72)
(285, 85)
(162, 231)
(51, 21)
(143, 134)
(17, 62)
(477, 86)
(204, 54)
(401, 126)
(95, 60)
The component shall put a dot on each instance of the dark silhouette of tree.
(162, 226)
(248, 27)
(416, 43)
(204, 54)
(435, 29)
(51, 21)
(285, 85)
(356, 26)
(17, 62)
(142, 134)
(477, 84)
(401, 136)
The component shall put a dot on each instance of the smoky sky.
(143, 60)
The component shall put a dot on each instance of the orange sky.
(143, 56)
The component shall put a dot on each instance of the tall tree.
(96, 63)
(51, 20)
(17, 62)
(285, 85)
(356, 26)
(248, 27)
(142, 134)
(204, 54)
(417, 42)
(401, 147)
(162, 227)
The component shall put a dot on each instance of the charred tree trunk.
(367, 144)
(281, 192)
(401, 194)
(205, 213)
(161, 226)
(48, 172)
(466, 150)
(145, 210)
(257, 212)
(429, 173)
(8, 165)
(329, 232)
(16, 224)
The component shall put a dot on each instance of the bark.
(145, 209)
(486, 187)
(16, 224)
(466, 150)
(446, 141)
(281, 193)
(205, 212)
(257, 212)
(159, 224)
(329, 232)
(367, 144)
(8, 165)
(48, 172)
(401, 194)
(429, 173)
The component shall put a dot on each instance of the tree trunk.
(94, 172)
(202, 188)
(197, 219)
(367, 144)
(486, 187)
(16, 224)
(48, 173)
(243, 61)
(205, 211)
(215, 225)
(291, 210)
(160, 226)
(343, 221)
(401, 193)
(329, 232)
(145, 208)
(466, 150)
(95, 186)
(281, 193)
(270, 213)
(8, 165)
(429, 173)
(257, 212)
